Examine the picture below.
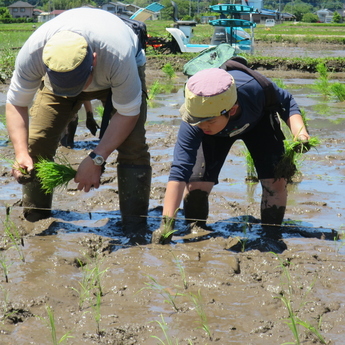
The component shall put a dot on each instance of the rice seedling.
(13, 164)
(280, 83)
(154, 90)
(84, 292)
(11, 231)
(182, 271)
(338, 90)
(198, 304)
(91, 280)
(166, 293)
(322, 83)
(99, 110)
(288, 165)
(167, 232)
(168, 87)
(51, 325)
(96, 307)
(294, 321)
(251, 171)
(7, 310)
(339, 242)
(5, 266)
(54, 175)
(245, 227)
(169, 71)
(167, 339)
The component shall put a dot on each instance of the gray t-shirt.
(114, 42)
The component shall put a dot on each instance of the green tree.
(336, 17)
(298, 8)
(332, 5)
(4, 13)
(310, 18)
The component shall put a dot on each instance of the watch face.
(98, 160)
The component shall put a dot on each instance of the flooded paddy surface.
(198, 288)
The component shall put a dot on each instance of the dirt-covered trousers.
(50, 114)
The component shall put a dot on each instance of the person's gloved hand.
(91, 124)
(165, 232)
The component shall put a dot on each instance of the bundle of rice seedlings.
(54, 175)
(294, 149)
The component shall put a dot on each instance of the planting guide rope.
(245, 224)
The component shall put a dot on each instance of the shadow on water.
(240, 234)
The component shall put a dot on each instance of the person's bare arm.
(88, 106)
(17, 121)
(120, 126)
(173, 197)
(297, 127)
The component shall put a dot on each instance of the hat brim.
(64, 92)
(193, 120)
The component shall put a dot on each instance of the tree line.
(192, 9)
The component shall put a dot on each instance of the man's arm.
(297, 127)
(120, 126)
(17, 121)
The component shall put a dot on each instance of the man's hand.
(88, 175)
(164, 234)
(22, 169)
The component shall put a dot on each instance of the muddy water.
(197, 275)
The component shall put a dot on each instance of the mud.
(223, 285)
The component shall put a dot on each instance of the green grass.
(13, 36)
(287, 32)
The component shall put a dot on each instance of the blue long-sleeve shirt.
(251, 99)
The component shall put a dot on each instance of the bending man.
(67, 61)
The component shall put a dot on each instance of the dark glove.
(303, 146)
(91, 124)
(165, 232)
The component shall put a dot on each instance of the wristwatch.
(97, 159)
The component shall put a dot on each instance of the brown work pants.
(50, 115)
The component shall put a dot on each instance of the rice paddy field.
(76, 278)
